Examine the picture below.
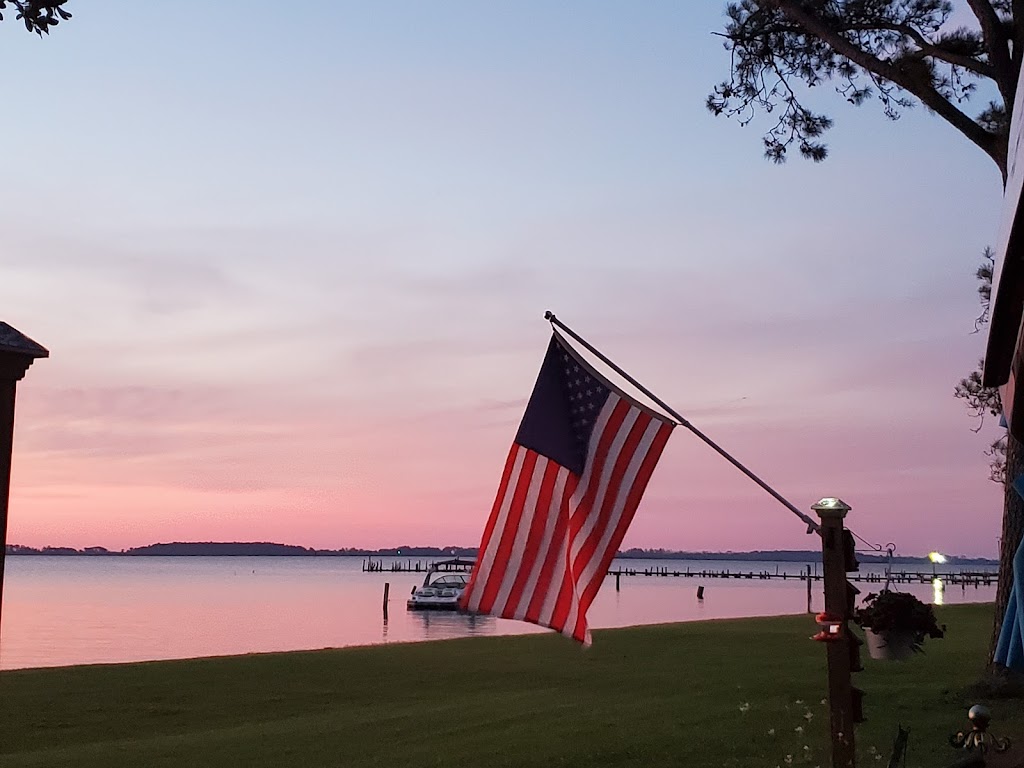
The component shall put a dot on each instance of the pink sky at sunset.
(301, 300)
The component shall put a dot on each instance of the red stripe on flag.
(583, 510)
(555, 554)
(643, 476)
(607, 506)
(596, 463)
(508, 535)
(603, 517)
(565, 595)
(489, 528)
(533, 541)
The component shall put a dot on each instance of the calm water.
(82, 610)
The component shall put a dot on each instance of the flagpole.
(812, 526)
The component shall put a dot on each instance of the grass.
(666, 695)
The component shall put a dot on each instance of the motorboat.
(440, 592)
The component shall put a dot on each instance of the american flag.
(572, 482)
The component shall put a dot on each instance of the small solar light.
(831, 628)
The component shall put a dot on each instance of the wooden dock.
(962, 578)
(457, 565)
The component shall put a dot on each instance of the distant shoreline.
(270, 549)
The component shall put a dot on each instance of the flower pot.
(890, 646)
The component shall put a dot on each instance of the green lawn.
(667, 695)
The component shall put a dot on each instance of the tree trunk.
(1013, 529)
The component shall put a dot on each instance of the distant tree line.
(265, 549)
(238, 548)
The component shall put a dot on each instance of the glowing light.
(831, 502)
(938, 591)
(936, 557)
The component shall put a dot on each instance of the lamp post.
(843, 700)
(17, 352)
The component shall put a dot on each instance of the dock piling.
(809, 590)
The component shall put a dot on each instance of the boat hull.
(433, 605)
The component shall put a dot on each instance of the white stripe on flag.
(592, 571)
(554, 510)
(564, 560)
(606, 477)
(487, 558)
(614, 450)
(515, 558)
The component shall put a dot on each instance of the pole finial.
(549, 316)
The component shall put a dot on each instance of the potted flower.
(896, 624)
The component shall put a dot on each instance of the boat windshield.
(449, 580)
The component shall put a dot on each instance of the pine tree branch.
(931, 49)
(924, 90)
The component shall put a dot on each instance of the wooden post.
(617, 575)
(837, 604)
(387, 586)
(16, 354)
(809, 590)
(7, 392)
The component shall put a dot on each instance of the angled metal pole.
(812, 525)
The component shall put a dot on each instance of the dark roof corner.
(13, 340)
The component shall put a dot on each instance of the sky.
(292, 267)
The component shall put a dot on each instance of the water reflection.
(938, 591)
(444, 625)
(82, 610)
